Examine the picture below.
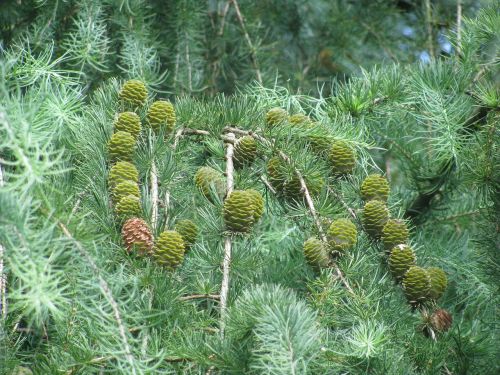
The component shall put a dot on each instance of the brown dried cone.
(342, 235)
(137, 235)
(395, 232)
(375, 187)
(375, 216)
(439, 321)
(316, 253)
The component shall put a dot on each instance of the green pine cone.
(169, 249)
(375, 187)
(439, 282)
(300, 119)
(292, 188)
(342, 158)
(121, 146)
(258, 204)
(375, 216)
(162, 113)
(125, 188)
(188, 230)
(416, 285)
(319, 144)
(276, 116)
(134, 92)
(239, 211)
(128, 122)
(342, 235)
(129, 206)
(276, 173)
(205, 178)
(122, 171)
(401, 259)
(316, 253)
(395, 232)
(245, 151)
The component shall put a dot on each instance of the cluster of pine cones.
(123, 179)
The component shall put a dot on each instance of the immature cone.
(162, 113)
(293, 189)
(342, 158)
(257, 203)
(239, 211)
(416, 285)
(188, 230)
(207, 177)
(128, 122)
(275, 171)
(121, 146)
(441, 320)
(136, 234)
(134, 92)
(299, 119)
(439, 282)
(319, 144)
(276, 116)
(375, 187)
(245, 151)
(316, 253)
(169, 249)
(375, 216)
(128, 207)
(395, 232)
(125, 188)
(401, 259)
(342, 235)
(122, 171)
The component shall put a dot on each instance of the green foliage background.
(430, 126)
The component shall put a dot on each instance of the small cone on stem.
(276, 116)
(342, 158)
(239, 211)
(375, 216)
(162, 114)
(122, 171)
(401, 259)
(134, 93)
(128, 122)
(137, 235)
(245, 151)
(316, 253)
(375, 187)
(129, 206)
(188, 230)
(169, 249)
(416, 285)
(342, 235)
(394, 232)
(121, 146)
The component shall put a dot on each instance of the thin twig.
(223, 19)
(187, 131)
(428, 23)
(344, 203)
(215, 297)
(3, 277)
(107, 293)
(459, 26)
(224, 291)
(188, 63)
(268, 185)
(253, 55)
(154, 196)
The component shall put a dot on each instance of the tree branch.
(459, 26)
(428, 23)
(154, 195)
(187, 131)
(227, 242)
(215, 297)
(3, 277)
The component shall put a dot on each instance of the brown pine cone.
(136, 233)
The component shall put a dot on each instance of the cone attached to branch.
(441, 320)
(239, 211)
(137, 235)
(162, 114)
(188, 230)
(316, 253)
(401, 259)
(276, 116)
(375, 187)
(245, 151)
(121, 146)
(292, 188)
(342, 158)
(439, 282)
(125, 188)
(342, 235)
(395, 232)
(127, 207)
(134, 93)
(206, 179)
(416, 285)
(128, 122)
(300, 119)
(257, 203)
(276, 173)
(122, 171)
(375, 216)
(169, 249)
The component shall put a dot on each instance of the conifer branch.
(428, 23)
(459, 26)
(3, 277)
(227, 242)
(253, 55)
(154, 196)
(107, 293)
(223, 17)
(187, 131)
(215, 297)
(268, 185)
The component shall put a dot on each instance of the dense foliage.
(350, 230)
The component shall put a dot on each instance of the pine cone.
(162, 113)
(121, 146)
(439, 282)
(276, 116)
(134, 93)
(319, 144)
(276, 173)
(416, 285)
(375, 216)
(125, 188)
(128, 122)
(205, 178)
(441, 320)
(169, 249)
(239, 211)
(136, 234)
(122, 171)
(293, 189)
(342, 158)
(128, 207)
(375, 187)
(245, 151)
(401, 259)
(342, 235)
(316, 253)
(395, 232)
(300, 119)
(257, 204)
(188, 230)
